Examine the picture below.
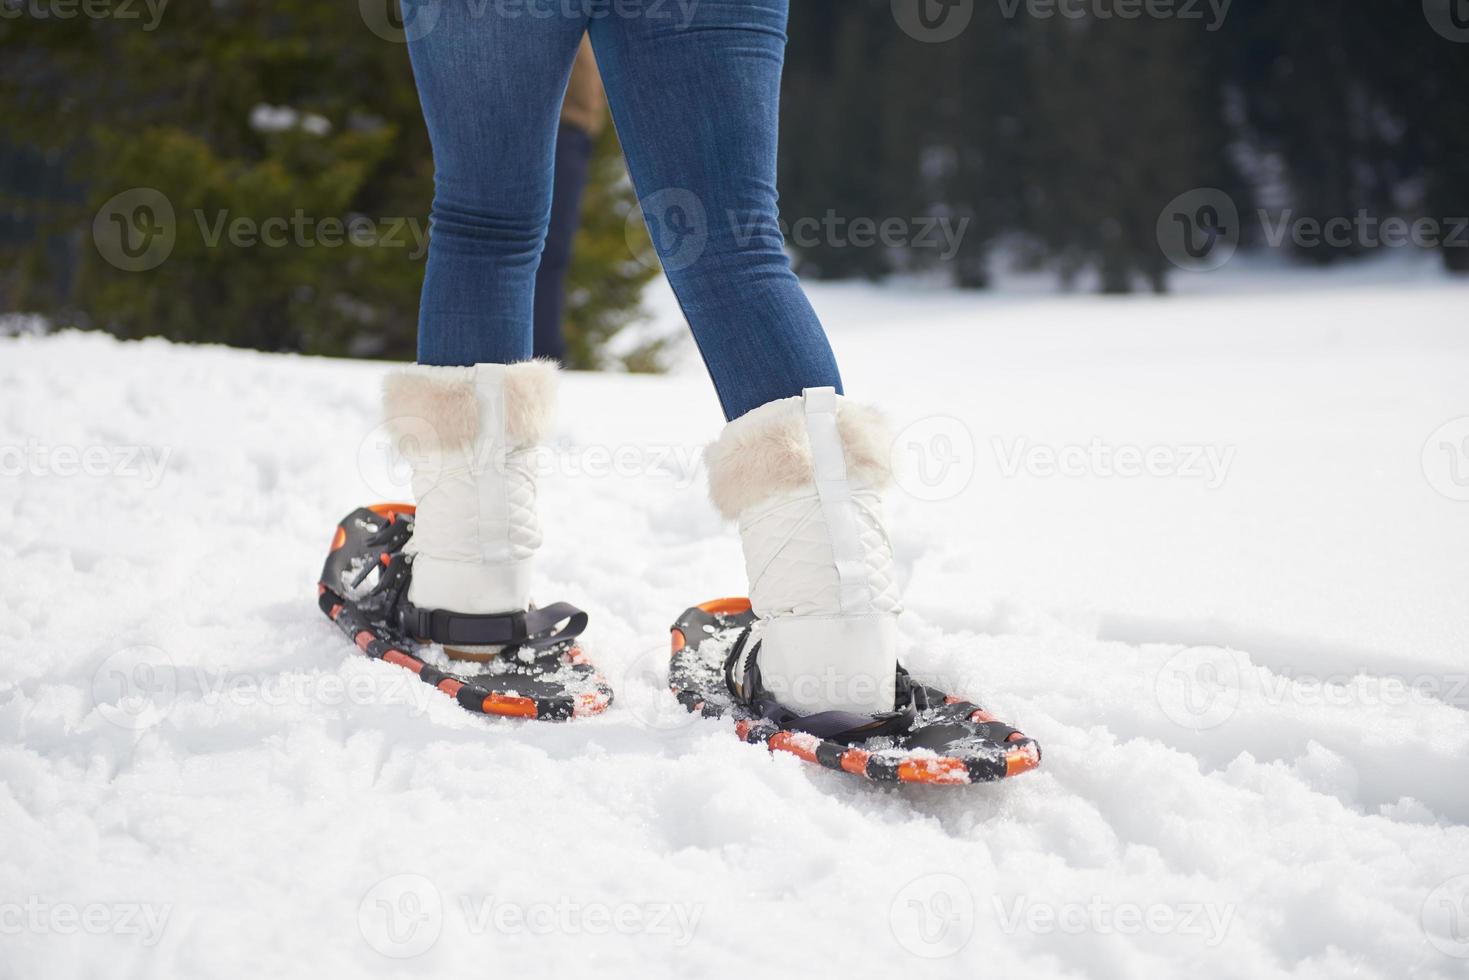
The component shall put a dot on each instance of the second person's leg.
(574, 147)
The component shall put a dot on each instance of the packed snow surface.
(1211, 550)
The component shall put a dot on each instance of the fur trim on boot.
(448, 399)
(766, 453)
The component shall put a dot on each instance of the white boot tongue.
(812, 664)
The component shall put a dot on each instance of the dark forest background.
(1058, 140)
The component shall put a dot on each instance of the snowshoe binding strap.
(742, 678)
(535, 628)
(370, 541)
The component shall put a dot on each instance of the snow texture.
(1246, 664)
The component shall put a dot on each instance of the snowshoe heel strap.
(530, 628)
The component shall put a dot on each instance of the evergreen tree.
(1120, 127)
(985, 117)
(1310, 101)
(840, 155)
(1064, 136)
(262, 111)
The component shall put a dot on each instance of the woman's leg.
(490, 81)
(695, 94)
(490, 77)
(799, 467)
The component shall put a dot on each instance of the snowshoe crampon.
(539, 673)
(936, 738)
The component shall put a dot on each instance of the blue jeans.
(695, 94)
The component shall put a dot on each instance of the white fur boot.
(804, 477)
(470, 435)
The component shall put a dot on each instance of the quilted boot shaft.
(804, 478)
(470, 435)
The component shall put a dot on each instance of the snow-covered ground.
(1246, 662)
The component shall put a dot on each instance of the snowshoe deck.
(363, 582)
(952, 741)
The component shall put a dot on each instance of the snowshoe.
(539, 673)
(932, 737)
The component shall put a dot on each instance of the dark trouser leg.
(573, 159)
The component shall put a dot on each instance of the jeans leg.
(695, 94)
(573, 157)
(490, 79)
